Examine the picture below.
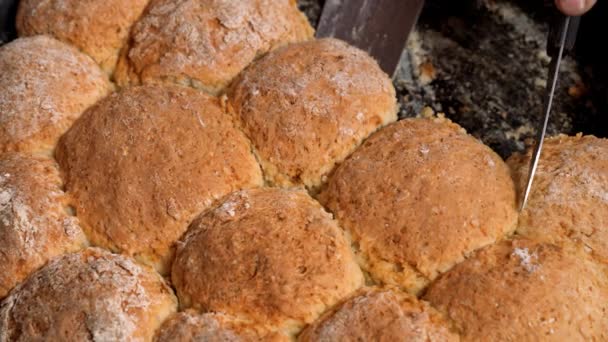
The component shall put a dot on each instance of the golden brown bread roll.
(99, 28)
(525, 291)
(206, 43)
(306, 106)
(569, 198)
(35, 225)
(188, 326)
(269, 256)
(376, 314)
(44, 86)
(88, 296)
(142, 163)
(417, 197)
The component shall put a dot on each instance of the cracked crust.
(35, 223)
(142, 163)
(417, 197)
(307, 106)
(269, 256)
(45, 85)
(88, 296)
(569, 199)
(99, 28)
(189, 326)
(384, 315)
(525, 291)
(206, 43)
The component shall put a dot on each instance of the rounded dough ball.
(91, 295)
(569, 198)
(376, 314)
(417, 197)
(35, 224)
(44, 86)
(206, 43)
(99, 28)
(307, 106)
(525, 291)
(142, 163)
(269, 256)
(213, 327)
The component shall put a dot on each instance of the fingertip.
(574, 7)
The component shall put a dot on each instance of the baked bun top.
(35, 225)
(99, 28)
(376, 314)
(213, 327)
(206, 43)
(44, 86)
(269, 256)
(142, 163)
(307, 106)
(569, 198)
(417, 197)
(90, 295)
(525, 291)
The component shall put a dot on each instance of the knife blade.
(561, 39)
(380, 27)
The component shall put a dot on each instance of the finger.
(574, 7)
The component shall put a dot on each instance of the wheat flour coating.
(212, 327)
(382, 315)
(35, 225)
(266, 255)
(206, 43)
(99, 28)
(142, 163)
(307, 106)
(417, 197)
(569, 199)
(92, 295)
(526, 291)
(44, 86)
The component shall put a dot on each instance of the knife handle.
(556, 28)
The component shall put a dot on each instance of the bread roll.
(88, 296)
(142, 163)
(189, 326)
(307, 106)
(44, 86)
(525, 291)
(268, 256)
(99, 28)
(35, 224)
(206, 43)
(569, 198)
(417, 197)
(376, 314)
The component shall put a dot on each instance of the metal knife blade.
(380, 27)
(565, 35)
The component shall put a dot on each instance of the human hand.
(574, 7)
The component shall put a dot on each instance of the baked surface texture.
(569, 198)
(206, 43)
(44, 86)
(383, 315)
(92, 295)
(142, 163)
(308, 105)
(417, 197)
(212, 327)
(99, 28)
(34, 222)
(267, 256)
(526, 291)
